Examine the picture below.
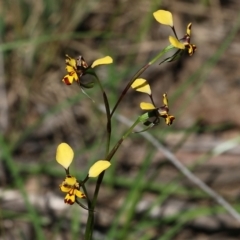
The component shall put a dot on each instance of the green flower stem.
(67, 172)
(129, 131)
(90, 224)
(107, 108)
(165, 50)
(86, 193)
(138, 74)
(128, 86)
(111, 154)
(90, 221)
(85, 180)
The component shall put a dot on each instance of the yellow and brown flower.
(165, 17)
(76, 68)
(64, 156)
(158, 112)
(184, 43)
(72, 188)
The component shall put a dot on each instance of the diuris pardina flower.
(76, 68)
(158, 112)
(70, 185)
(165, 17)
(141, 85)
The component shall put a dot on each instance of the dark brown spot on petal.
(66, 81)
(69, 201)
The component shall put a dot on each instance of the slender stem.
(85, 180)
(117, 145)
(109, 157)
(86, 193)
(107, 107)
(98, 184)
(174, 31)
(90, 221)
(137, 74)
(89, 227)
(109, 124)
(165, 50)
(128, 86)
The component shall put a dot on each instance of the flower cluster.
(165, 17)
(70, 185)
(78, 67)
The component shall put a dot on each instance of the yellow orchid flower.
(186, 41)
(165, 17)
(141, 85)
(64, 156)
(158, 112)
(76, 68)
(72, 188)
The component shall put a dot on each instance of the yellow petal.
(176, 43)
(102, 61)
(70, 69)
(141, 85)
(64, 188)
(169, 120)
(68, 79)
(98, 167)
(190, 50)
(147, 106)
(165, 100)
(71, 61)
(164, 17)
(70, 197)
(64, 155)
(75, 76)
(79, 193)
(70, 181)
(189, 26)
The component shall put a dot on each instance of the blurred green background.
(143, 196)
